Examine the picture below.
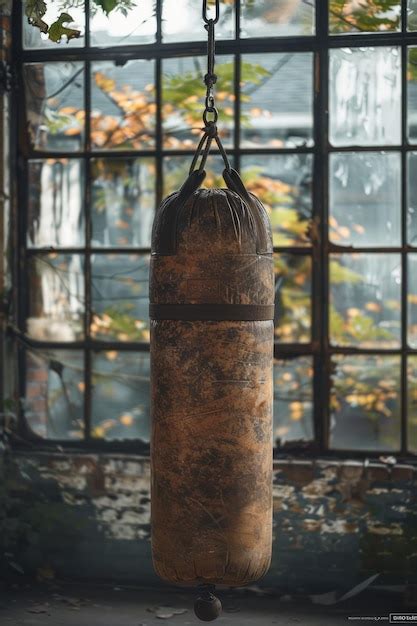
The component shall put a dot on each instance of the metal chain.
(210, 114)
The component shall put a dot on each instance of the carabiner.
(206, 11)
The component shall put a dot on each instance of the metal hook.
(206, 12)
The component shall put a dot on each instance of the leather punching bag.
(212, 297)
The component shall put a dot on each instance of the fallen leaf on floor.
(16, 567)
(39, 608)
(329, 598)
(258, 591)
(73, 603)
(45, 573)
(165, 612)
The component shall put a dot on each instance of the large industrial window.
(318, 112)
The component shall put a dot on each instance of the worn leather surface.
(211, 447)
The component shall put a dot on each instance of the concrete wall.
(87, 516)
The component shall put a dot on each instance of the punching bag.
(212, 296)
(211, 319)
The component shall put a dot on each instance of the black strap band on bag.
(212, 312)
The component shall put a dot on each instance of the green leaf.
(57, 30)
(106, 5)
(35, 10)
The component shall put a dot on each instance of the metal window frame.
(319, 347)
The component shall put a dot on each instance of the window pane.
(55, 203)
(293, 400)
(412, 198)
(277, 99)
(123, 105)
(412, 403)
(283, 183)
(120, 301)
(183, 93)
(292, 298)
(182, 21)
(123, 201)
(412, 94)
(412, 14)
(365, 297)
(34, 38)
(128, 23)
(268, 18)
(56, 297)
(412, 300)
(54, 97)
(176, 171)
(365, 403)
(365, 198)
(121, 394)
(365, 96)
(346, 16)
(54, 393)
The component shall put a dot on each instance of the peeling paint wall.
(334, 523)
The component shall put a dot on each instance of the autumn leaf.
(57, 30)
(106, 5)
(35, 10)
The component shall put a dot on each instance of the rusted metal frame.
(320, 46)
(320, 278)
(88, 227)
(404, 241)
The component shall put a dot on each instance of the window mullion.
(404, 238)
(321, 384)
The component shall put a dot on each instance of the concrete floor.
(71, 605)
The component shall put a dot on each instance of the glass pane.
(120, 301)
(129, 23)
(268, 18)
(56, 297)
(123, 105)
(292, 298)
(54, 98)
(182, 21)
(277, 99)
(366, 16)
(365, 198)
(183, 94)
(283, 183)
(123, 201)
(365, 96)
(55, 203)
(412, 198)
(365, 403)
(121, 395)
(365, 300)
(54, 393)
(412, 94)
(33, 37)
(293, 400)
(176, 171)
(412, 300)
(411, 14)
(412, 403)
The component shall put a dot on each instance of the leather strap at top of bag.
(164, 233)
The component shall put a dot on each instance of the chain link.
(210, 113)
(206, 12)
